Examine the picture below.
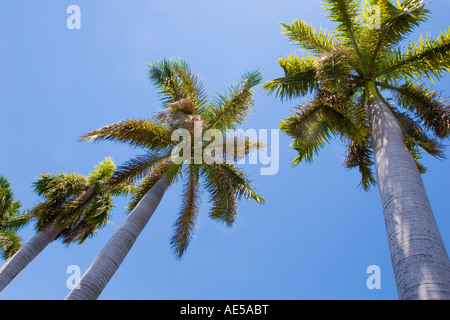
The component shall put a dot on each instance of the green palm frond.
(137, 168)
(93, 218)
(429, 58)
(229, 110)
(346, 13)
(309, 38)
(396, 23)
(299, 77)
(185, 224)
(426, 104)
(223, 195)
(326, 116)
(137, 133)
(415, 136)
(240, 182)
(333, 70)
(360, 156)
(175, 81)
(57, 188)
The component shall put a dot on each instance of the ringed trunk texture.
(27, 253)
(420, 261)
(109, 259)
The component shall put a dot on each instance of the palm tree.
(10, 220)
(75, 207)
(367, 91)
(186, 106)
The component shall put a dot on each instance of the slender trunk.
(109, 259)
(420, 261)
(27, 253)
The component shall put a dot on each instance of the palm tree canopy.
(185, 105)
(11, 219)
(355, 63)
(80, 204)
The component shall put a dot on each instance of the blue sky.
(318, 232)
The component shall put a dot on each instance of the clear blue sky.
(318, 232)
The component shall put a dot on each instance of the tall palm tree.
(75, 207)
(366, 90)
(10, 219)
(185, 106)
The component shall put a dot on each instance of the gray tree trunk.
(27, 253)
(420, 261)
(109, 259)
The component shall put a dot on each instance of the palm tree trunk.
(109, 259)
(27, 253)
(420, 261)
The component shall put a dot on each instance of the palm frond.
(299, 77)
(240, 182)
(137, 133)
(136, 168)
(346, 14)
(428, 58)
(360, 156)
(185, 224)
(175, 81)
(223, 195)
(308, 38)
(396, 23)
(415, 136)
(230, 110)
(426, 104)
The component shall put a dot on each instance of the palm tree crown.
(356, 63)
(79, 204)
(185, 106)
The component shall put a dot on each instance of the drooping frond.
(185, 224)
(415, 136)
(326, 116)
(229, 110)
(299, 77)
(240, 182)
(426, 104)
(137, 133)
(223, 195)
(360, 156)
